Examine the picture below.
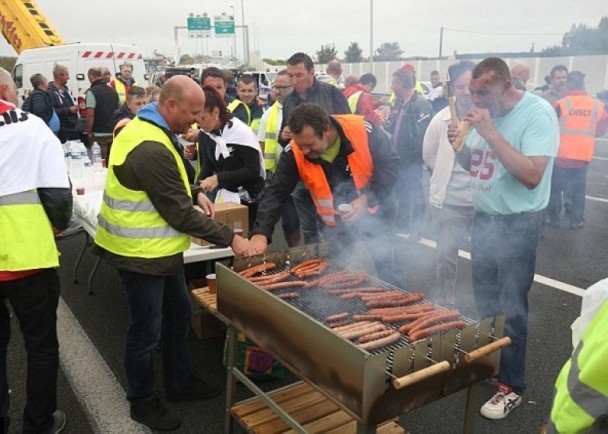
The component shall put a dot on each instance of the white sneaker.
(501, 404)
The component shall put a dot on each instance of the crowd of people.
(328, 159)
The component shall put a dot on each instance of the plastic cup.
(238, 232)
(80, 191)
(345, 207)
(212, 283)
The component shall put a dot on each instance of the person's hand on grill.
(242, 247)
(259, 243)
(358, 208)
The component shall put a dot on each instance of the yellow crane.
(24, 25)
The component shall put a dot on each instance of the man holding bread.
(509, 150)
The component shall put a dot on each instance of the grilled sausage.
(360, 331)
(337, 317)
(379, 343)
(281, 285)
(446, 315)
(424, 307)
(366, 318)
(406, 299)
(353, 325)
(270, 278)
(374, 336)
(402, 317)
(420, 334)
(306, 264)
(251, 271)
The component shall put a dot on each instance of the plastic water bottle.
(96, 156)
(76, 160)
(66, 155)
(87, 168)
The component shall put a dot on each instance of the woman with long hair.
(232, 164)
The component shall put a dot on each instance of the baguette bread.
(463, 131)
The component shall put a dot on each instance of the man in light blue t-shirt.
(509, 153)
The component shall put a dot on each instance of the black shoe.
(552, 223)
(59, 420)
(154, 415)
(195, 390)
(575, 226)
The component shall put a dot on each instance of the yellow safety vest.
(353, 100)
(254, 124)
(129, 225)
(271, 137)
(121, 90)
(581, 396)
(27, 241)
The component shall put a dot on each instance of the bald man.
(520, 74)
(145, 224)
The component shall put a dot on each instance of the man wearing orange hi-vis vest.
(350, 168)
(581, 119)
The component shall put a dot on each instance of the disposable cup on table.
(212, 283)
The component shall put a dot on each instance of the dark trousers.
(34, 300)
(307, 213)
(159, 312)
(410, 199)
(572, 183)
(503, 254)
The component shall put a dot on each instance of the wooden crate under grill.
(311, 409)
(205, 299)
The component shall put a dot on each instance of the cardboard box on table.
(230, 214)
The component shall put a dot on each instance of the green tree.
(354, 53)
(8, 63)
(388, 51)
(327, 53)
(582, 39)
(186, 59)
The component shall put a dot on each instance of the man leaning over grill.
(509, 153)
(144, 225)
(342, 160)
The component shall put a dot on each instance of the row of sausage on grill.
(386, 308)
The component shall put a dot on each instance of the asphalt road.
(92, 332)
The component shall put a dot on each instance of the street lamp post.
(371, 36)
(234, 39)
(245, 36)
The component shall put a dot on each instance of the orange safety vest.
(578, 121)
(360, 162)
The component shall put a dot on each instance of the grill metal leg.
(470, 409)
(93, 271)
(230, 379)
(81, 255)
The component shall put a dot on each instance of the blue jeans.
(159, 312)
(503, 253)
(453, 228)
(34, 299)
(309, 221)
(410, 199)
(573, 183)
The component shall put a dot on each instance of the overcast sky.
(280, 28)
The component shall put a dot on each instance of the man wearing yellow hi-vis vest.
(35, 196)
(145, 223)
(247, 102)
(124, 82)
(580, 404)
(268, 135)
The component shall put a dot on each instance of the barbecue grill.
(373, 386)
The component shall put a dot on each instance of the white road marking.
(571, 289)
(597, 199)
(100, 393)
(600, 158)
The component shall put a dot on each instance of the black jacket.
(39, 103)
(414, 123)
(328, 96)
(123, 113)
(240, 169)
(379, 189)
(62, 102)
(106, 103)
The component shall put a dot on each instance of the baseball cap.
(407, 67)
